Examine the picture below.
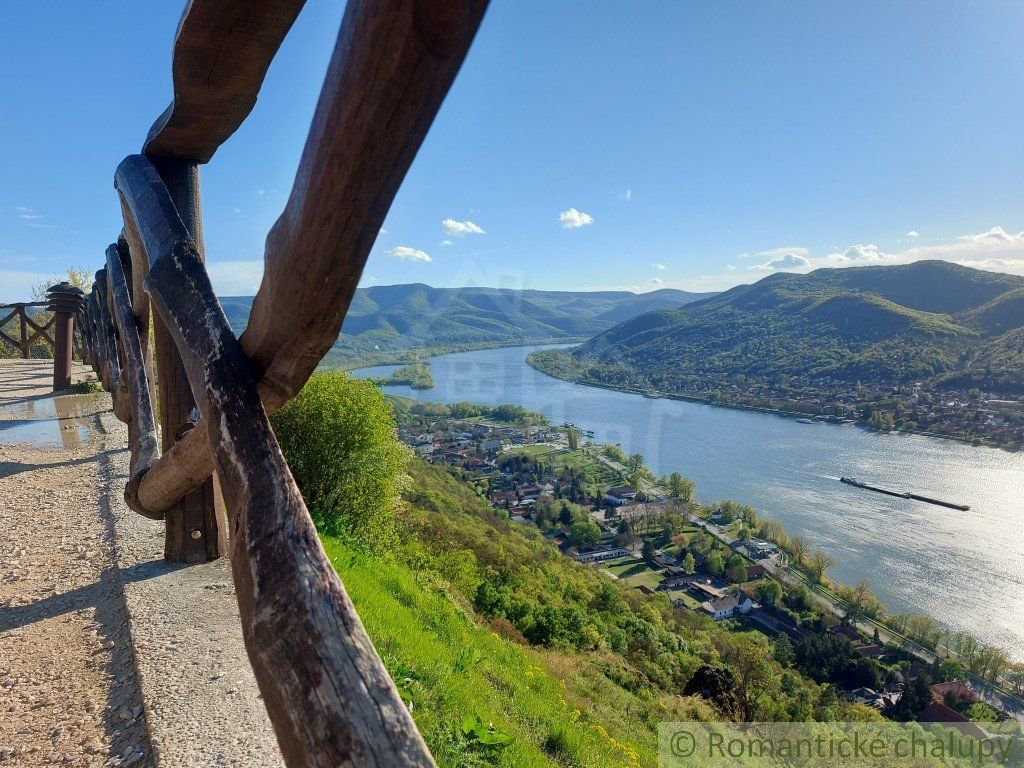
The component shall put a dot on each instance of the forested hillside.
(930, 319)
(385, 321)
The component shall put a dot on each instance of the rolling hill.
(385, 321)
(930, 320)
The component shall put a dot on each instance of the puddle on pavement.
(46, 432)
(60, 407)
(65, 421)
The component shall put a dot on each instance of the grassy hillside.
(385, 321)
(476, 617)
(918, 321)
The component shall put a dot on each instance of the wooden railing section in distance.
(18, 313)
(328, 694)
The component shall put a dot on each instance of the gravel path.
(69, 694)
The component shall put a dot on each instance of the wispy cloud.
(659, 267)
(655, 281)
(455, 228)
(626, 194)
(913, 234)
(772, 253)
(446, 242)
(24, 212)
(405, 253)
(573, 219)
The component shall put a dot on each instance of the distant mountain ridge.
(925, 320)
(388, 320)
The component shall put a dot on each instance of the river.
(965, 569)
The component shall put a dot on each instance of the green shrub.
(338, 436)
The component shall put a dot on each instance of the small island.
(415, 374)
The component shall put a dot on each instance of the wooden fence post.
(196, 527)
(65, 301)
(26, 346)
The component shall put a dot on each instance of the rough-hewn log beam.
(391, 68)
(329, 697)
(142, 424)
(222, 51)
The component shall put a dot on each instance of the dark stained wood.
(142, 424)
(391, 68)
(328, 695)
(221, 54)
(196, 528)
(110, 367)
(393, 63)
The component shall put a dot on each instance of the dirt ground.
(69, 695)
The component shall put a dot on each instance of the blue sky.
(594, 144)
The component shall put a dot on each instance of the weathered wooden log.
(142, 424)
(392, 66)
(196, 531)
(328, 695)
(222, 51)
(110, 367)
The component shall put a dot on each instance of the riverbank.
(919, 558)
(540, 363)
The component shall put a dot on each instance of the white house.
(600, 553)
(727, 607)
(620, 496)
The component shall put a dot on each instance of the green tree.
(768, 592)
(338, 436)
(573, 436)
(714, 564)
(819, 564)
(584, 532)
(689, 564)
(680, 488)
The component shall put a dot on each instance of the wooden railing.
(18, 314)
(329, 697)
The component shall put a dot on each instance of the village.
(606, 510)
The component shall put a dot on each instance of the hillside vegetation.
(384, 322)
(931, 320)
(507, 652)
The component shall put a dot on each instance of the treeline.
(511, 414)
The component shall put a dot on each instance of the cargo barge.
(902, 494)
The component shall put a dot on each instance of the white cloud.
(785, 261)
(994, 236)
(382, 232)
(237, 210)
(660, 267)
(405, 253)
(776, 252)
(446, 242)
(861, 254)
(456, 228)
(655, 281)
(573, 219)
(626, 194)
(731, 267)
(912, 234)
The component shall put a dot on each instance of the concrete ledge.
(200, 697)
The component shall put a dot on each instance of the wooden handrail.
(329, 696)
(392, 65)
(221, 54)
(142, 424)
